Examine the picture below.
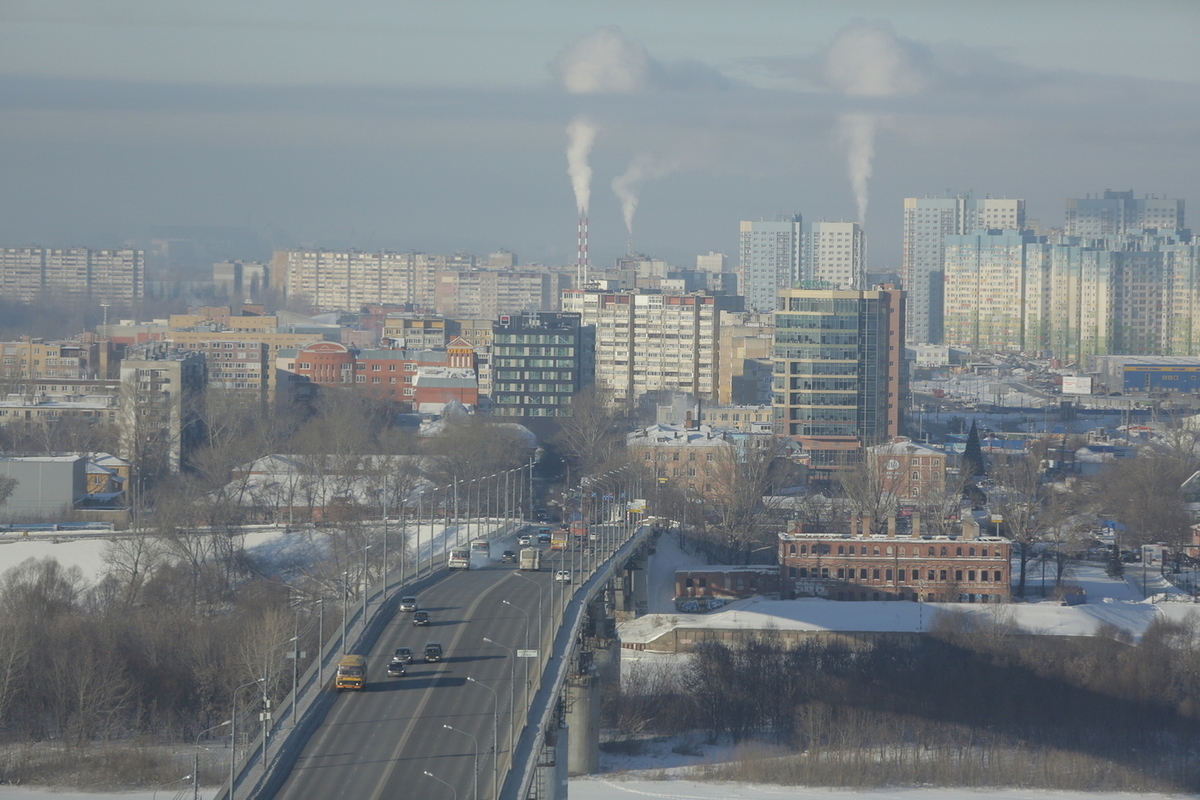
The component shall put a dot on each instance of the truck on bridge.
(531, 558)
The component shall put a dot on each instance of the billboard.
(1076, 384)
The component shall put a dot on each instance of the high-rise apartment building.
(349, 280)
(985, 285)
(539, 361)
(116, 276)
(833, 253)
(650, 342)
(712, 262)
(486, 294)
(1118, 213)
(839, 371)
(927, 221)
(161, 406)
(769, 260)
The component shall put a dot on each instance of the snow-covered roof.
(663, 435)
(905, 447)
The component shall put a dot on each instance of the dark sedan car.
(421, 618)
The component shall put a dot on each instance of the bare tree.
(591, 435)
(865, 490)
(1143, 495)
(1027, 505)
(742, 500)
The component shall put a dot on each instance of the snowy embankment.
(1115, 602)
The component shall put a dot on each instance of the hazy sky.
(443, 126)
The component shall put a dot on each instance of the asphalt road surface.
(378, 743)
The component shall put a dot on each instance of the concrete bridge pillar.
(583, 721)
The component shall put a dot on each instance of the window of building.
(983, 575)
(851, 549)
(875, 551)
(971, 551)
(804, 572)
(791, 549)
(803, 549)
(889, 550)
(875, 574)
(841, 550)
(985, 552)
(841, 572)
(887, 575)
(862, 574)
(942, 575)
(958, 575)
(998, 579)
(931, 575)
(943, 551)
(958, 551)
(792, 573)
(931, 551)
(971, 575)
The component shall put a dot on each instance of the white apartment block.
(984, 298)
(348, 280)
(833, 253)
(927, 221)
(649, 342)
(486, 294)
(116, 276)
(769, 260)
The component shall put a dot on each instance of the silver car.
(408, 604)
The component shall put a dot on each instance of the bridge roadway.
(378, 743)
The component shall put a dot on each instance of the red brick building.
(908, 470)
(389, 374)
(860, 566)
(731, 583)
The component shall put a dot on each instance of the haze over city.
(443, 126)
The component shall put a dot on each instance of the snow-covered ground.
(265, 544)
(1119, 602)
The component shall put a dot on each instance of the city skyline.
(439, 131)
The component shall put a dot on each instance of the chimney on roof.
(970, 528)
(916, 525)
(891, 527)
(867, 525)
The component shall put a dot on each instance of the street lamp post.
(366, 586)
(196, 758)
(439, 780)
(495, 736)
(525, 677)
(475, 779)
(541, 626)
(233, 732)
(345, 603)
(512, 683)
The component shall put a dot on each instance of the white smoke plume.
(628, 185)
(604, 61)
(870, 60)
(857, 133)
(581, 135)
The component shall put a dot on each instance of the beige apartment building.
(651, 342)
(349, 280)
(486, 294)
(31, 359)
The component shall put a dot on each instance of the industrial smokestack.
(581, 258)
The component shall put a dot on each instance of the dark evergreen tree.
(1115, 567)
(972, 463)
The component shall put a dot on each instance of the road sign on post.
(527, 654)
